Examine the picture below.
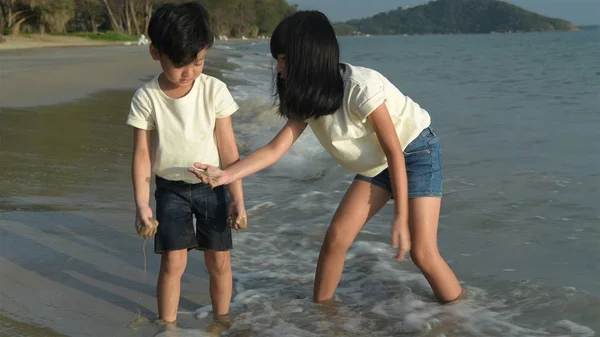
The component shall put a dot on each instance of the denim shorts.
(177, 203)
(423, 159)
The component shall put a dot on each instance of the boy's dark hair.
(181, 31)
(313, 85)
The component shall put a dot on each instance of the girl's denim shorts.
(423, 158)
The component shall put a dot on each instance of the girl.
(371, 129)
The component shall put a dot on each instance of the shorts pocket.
(433, 140)
(416, 147)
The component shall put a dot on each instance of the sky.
(579, 12)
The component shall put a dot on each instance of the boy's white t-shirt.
(347, 134)
(183, 127)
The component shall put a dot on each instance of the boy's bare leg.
(360, 203)
(172, 266)
(424, 217)
(218, 264)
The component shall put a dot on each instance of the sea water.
(518, 118)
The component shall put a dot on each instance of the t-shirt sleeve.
(367, 97)
(140, 112)
(224, 103)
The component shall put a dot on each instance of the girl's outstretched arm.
(388, 139)
(258, 160)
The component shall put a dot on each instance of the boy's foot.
(166, 329)
(219, 325)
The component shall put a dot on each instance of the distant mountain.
(455, 17)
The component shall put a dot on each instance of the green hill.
(455, 17)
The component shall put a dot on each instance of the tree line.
(233, 18)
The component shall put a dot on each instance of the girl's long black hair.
(313, 85)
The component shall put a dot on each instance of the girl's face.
(281, 66)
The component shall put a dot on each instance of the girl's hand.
(238, 219)
(401, 237)
(210, 175)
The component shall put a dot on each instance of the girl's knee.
(424, 256)
(336, 242)
(218, 263)
(173, 262)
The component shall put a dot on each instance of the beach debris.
(137, 321)
(143, 41)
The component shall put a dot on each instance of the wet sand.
(35, 77)
(71, 262)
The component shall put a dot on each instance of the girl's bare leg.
(360, 203)
(423, 220)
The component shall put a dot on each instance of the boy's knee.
(174, 262)
(218, 263)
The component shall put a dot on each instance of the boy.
(182, 116)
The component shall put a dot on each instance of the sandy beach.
(71, 262)
(33, 77)
(30, 41)
(54, 73)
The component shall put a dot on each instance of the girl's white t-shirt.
(348, 135)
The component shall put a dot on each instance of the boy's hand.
(144, 218)
(238, 219)
(210, 175)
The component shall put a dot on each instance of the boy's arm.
(141, 171)
(229, 155)
(141, 119)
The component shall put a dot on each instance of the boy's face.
(182, 76)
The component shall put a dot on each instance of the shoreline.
(37, 41)
(67, 73)
(64, 74)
